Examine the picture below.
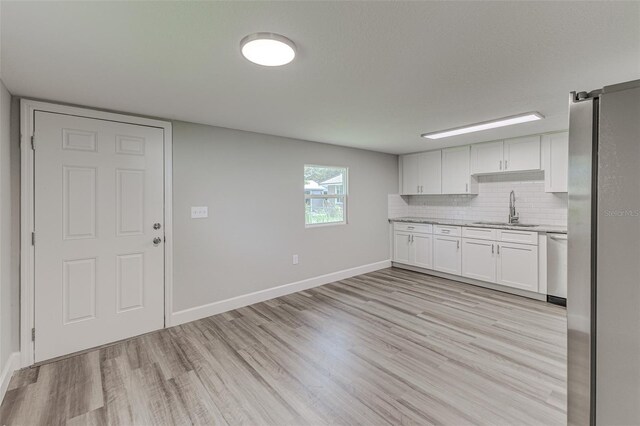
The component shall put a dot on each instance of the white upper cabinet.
(487, 157)
(522, 154)
(410, 179)
(456, 171)
(452, 170)
(511, 155)
(555, 161)
(430, 172)
(421, 173)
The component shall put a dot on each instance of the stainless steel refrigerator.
(603, 299)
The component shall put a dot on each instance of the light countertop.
(474, 224)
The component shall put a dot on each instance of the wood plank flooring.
(389, 347)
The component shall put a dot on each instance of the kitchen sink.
(522, 225)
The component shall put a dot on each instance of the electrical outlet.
(199, 212)
(295, 259)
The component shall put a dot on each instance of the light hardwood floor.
(389, 347)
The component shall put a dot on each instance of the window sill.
(323, 225)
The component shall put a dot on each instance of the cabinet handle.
(498, 248)
(500, 164)
(506, 164)
(492, 249)
(409, 227)
(408, 239)
(458, 244)
(445, 231)
(412, 238)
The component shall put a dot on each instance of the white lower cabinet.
(421, 250)
(490, 255)
(401, 243)
(413, 249)
(518, 266)
(447, 256)
(479, 260)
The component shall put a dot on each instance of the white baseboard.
(198, 312)
(13, 363)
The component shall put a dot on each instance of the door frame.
(28, 108)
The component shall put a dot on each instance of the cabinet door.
(422, 250)
(410, 180)
(401, 242)
(522, 154)
(479, 260)
(555, 150)
(430, 172)
(455, 170)
(487, 157)
(518, 266)
(447, 256)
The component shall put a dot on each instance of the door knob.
(156, 241)
(157, 226)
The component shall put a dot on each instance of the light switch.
(199, 212)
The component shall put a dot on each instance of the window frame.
(344, 196)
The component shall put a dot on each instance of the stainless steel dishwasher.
(557, 268)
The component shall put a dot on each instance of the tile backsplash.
(492, 202)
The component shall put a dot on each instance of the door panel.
(447, 255)
(518, 266)
(401, 247)
(456, 170)
(410, 177)
(487, 157)
(522, 154)
(556, 162)
(479, 260)
(430, 172)
(78, 202)
(79, 290)
(422, 248)
(98, 191)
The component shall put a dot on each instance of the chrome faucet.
(513, 216)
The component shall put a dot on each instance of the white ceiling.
(368, 74)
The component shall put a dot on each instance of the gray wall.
(9, 230)
(253, 186)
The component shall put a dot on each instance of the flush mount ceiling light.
(268, 49)
(499, 122)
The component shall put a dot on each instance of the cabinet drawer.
(453, 231)
(480, 233)
(513, 236)
(421, 228)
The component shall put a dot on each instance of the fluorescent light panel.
(500, 122)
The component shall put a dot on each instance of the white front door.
(99, 197)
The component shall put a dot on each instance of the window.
(325, 195)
